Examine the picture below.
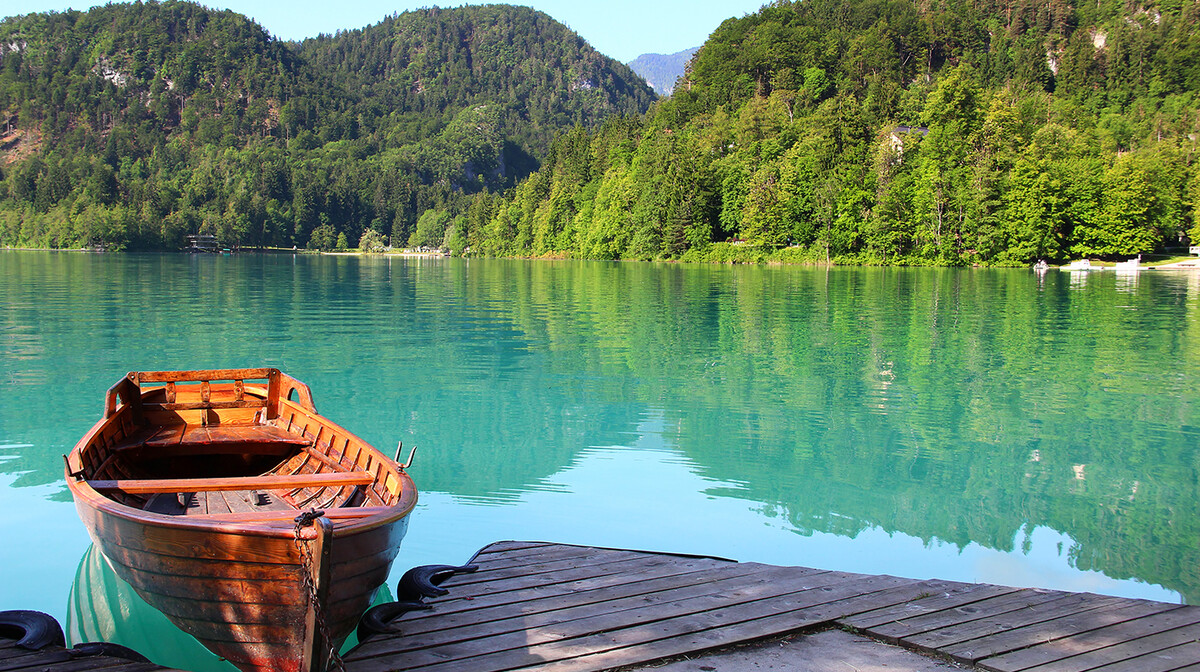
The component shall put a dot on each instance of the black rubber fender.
(423, 581)
(33, 630)
(108, 649)
(378, 618)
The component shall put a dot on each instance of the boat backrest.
(131, 390)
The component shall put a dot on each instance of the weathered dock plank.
(59, 659)
(1005, 640)
(966, 636)
(937, 596)
(538, 608)
(1105, 645)
(941, 624)
(556, 608)
(522, 591)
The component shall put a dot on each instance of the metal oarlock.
(411, 454)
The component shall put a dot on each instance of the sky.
(620, 29)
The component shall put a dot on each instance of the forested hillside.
(858, 131)
(133, 125)
(890, 131)
(420, 68)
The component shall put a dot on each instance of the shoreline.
(1182, 265)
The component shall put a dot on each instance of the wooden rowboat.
(254, 524)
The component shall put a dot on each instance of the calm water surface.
(975, 425)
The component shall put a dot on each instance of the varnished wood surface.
(273, 482)
(159, 483)
(538, 606)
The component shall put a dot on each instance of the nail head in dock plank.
(555, 607)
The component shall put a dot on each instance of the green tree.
(323, 238)
(371, 241)
(431, 229)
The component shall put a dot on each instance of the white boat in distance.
(1134, 264)
(1080, 265)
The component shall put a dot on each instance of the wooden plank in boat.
(236, 611)
(178, 439)
(246, 501)
(288, 515)
(202, 405)
(162, 437)
(125, 541)
(219, 629)
(216, 504)
(143, 486)
(248, 434)
(205, 374)
(261, 589)
(166, 503)
(199, 568)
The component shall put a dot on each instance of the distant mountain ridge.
(661, 71)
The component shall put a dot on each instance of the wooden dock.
(556, 608)
(552, 607)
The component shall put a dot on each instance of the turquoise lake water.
(974, 425)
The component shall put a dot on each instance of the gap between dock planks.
(555, 607)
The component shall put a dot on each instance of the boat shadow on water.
(104, 608)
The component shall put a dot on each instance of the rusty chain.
(306, 519)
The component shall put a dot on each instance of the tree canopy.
(137, 124)
(888, 131)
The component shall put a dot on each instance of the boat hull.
(237, 581)
(242, 594)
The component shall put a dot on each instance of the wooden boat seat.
(289, 482)
(213, 439)
(253, 494)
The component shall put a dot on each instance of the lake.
(966, 424)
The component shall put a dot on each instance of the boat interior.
(228, 443)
